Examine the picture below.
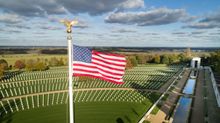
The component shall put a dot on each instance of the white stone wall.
(217, 95)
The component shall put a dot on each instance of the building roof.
(196, 58)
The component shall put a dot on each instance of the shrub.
(19, 64)
(4, 64)
(157, 59)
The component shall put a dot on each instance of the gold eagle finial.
(69, 24)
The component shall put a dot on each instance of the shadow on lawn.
(147, 103)
(151, 97)
(9, 75)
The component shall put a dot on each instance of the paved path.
(170, 101)
(197, 114)
(147, 114)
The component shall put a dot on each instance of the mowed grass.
(86, 111)
(89, 112)
(50, 114)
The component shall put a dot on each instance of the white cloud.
(131, 4)
(208, 22)
(159, 16)
(10, 18)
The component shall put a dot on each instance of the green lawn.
(103, 106)
(52, 114)
(92, 112)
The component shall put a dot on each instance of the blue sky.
(144, 23)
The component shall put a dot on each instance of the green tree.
(182, 57)
(141, 59)
(40, 66)
(157, 59)
(173, 58)
(133, 61)
(215, 61)
(30, 65)
(54, 62)
(61, 62)
(165, 59)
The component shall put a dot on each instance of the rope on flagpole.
(69, 25)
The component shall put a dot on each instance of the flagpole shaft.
(70, 57)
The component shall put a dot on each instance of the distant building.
(195, 62)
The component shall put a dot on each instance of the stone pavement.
(170, 101)
(197, 112)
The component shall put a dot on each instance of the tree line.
(38, 64)
(134, 60)
(213, 61)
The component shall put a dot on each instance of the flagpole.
(70, 56)
(69, 25)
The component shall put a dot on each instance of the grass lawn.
(51, 114)
(156, 109)
(90, 112)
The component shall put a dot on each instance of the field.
(13, 57)
(41, 96)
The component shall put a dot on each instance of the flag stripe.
(97, 69)
(112, 59)
(113, 56)
(86, 69)
(107, 61)
(108, 67)
(98, 75)
(113, 81)
(111, 66)
(94, 65)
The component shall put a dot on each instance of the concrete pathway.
(170, 102)
(197, 112)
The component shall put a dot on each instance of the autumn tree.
(4, 64)
(30, 65)
(19, 64)
(1, 70)
(188, 52)
(128, 63)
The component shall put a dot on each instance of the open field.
(42, 95)
(13, 57)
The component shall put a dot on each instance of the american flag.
(105, 66)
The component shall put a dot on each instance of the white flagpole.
(69, 25)
(70, 57)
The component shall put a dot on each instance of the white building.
(196, 62)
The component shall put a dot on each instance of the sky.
(118, 23)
